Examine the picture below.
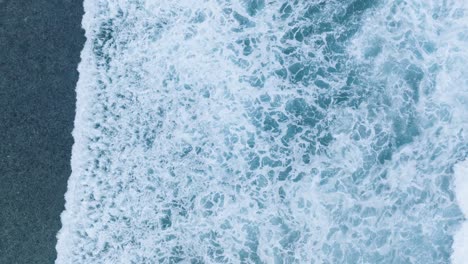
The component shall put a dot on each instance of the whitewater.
(270, 131)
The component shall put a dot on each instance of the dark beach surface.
(40, 45)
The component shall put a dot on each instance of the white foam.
(460, 244)
(166, 118)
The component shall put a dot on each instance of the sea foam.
(460, 245)
(268, 132)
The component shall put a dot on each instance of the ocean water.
(270, 131)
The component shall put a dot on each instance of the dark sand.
(40, 44)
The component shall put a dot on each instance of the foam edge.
(64, 246)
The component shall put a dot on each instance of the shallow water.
(268, 132)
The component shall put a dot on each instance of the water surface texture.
(261, 131)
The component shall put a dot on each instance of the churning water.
(270, 131)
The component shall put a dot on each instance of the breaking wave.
(261, 131)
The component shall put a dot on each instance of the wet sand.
(40, 44)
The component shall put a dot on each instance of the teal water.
(268, 132)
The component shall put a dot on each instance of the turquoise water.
(268, 132)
